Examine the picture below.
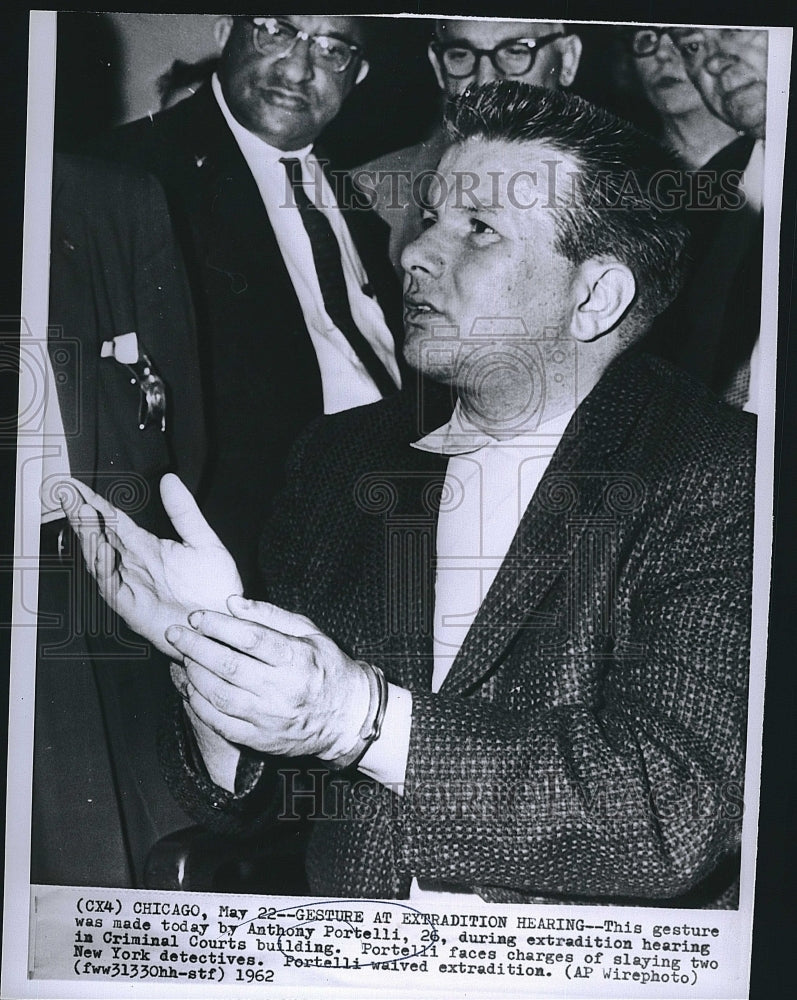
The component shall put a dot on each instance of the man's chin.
(746, 110)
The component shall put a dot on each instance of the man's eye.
(691, 46)
(480, 228)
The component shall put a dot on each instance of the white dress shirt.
(344, 379)
(489, 487)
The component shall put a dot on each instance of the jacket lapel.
(240, 240)
(590, 459)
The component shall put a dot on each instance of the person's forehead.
(487, 34)
(329, 24)
(505, 177)
(721, 37)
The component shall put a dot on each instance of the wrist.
(351, 749)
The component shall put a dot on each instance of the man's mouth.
(282, 97)
(740, 90)
(416, 308)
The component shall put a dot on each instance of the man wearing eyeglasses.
(297, 308)
(464, 53)
(295, 298)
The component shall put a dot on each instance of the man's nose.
(721, 52)
(485, 70)
(296, 64)
(424, 255)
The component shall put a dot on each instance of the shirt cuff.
(386, 759)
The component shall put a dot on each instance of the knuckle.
(228, 665)
(250, 638)
(222, 699)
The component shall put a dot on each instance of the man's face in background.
(285, 96)
(553, 63)
(729, 68)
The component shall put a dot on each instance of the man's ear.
(221, 30)
(570, 51)
(438, 69)
(602, 292)
(362, 72)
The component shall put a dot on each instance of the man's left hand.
(269, 680)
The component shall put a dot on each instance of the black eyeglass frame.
(356, 52)
(533, 46)
(630, 35)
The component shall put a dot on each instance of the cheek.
(708, 87)
(328, 93)
(545, 72)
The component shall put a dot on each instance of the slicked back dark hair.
(611, 209)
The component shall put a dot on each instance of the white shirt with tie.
(344, 380)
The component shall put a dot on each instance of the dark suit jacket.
(261, 377)
(99, 801)
(712, 326)
(588, 742)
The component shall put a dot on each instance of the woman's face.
(664, 80)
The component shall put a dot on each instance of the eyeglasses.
(645, 41)
(514, 57)
(693, 45)
(275, 36)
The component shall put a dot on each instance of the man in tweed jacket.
(565, 714)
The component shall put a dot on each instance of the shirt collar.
(460, 436)
(252, 146)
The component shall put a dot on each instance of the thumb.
(184, 514)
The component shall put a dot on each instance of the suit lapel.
(590, 459)
(240, 239)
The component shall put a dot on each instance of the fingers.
(99, 556)
(230, 666)
(184, 514)
(271, 616)
(259, 642)
(98, 505)
(232, 712)
(232, 729)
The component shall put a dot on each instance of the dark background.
(396, 123)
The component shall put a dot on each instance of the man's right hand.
(152, 582)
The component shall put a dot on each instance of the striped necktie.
(329, 268)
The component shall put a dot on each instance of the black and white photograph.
(396, 469)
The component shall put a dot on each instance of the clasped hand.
(269, 680)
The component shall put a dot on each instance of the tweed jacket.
(588, 742)
(260, 372)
